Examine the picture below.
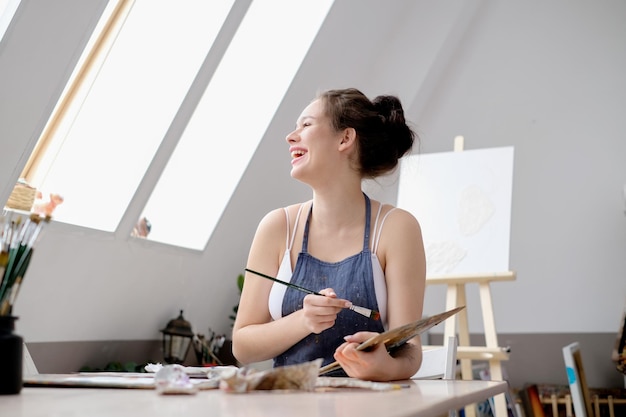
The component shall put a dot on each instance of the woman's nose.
(291, 137)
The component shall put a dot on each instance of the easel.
(456, 296)
(491, 352)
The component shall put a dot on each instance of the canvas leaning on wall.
(577, 380)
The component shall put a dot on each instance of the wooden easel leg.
(464, 337)
(495, 369)
(491, 341)
(491, 338)
(456, 297)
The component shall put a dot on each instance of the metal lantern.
(177, 337)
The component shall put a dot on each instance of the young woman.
(349, 248)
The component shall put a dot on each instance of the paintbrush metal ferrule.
(372, 314)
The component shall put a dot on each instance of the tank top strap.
(375, 231)
(289, 241)
(379, 230)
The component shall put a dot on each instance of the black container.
(11, 346)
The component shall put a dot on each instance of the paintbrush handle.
(372, 314)
(330, 367)
(289, 284)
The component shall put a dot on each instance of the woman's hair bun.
(392, 114)
(383, 134)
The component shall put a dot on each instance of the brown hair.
(383, 135)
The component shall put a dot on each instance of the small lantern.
(177, 337)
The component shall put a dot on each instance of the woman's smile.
(296, 154)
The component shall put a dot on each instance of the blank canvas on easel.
(463, 203)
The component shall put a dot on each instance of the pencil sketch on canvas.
(463, 203)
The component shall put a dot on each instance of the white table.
(423, 398)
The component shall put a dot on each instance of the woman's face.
(313, 144)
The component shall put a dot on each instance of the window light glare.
(227, 126)
(129, 107)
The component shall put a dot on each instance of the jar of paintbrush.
(11, 353)
(18, 234)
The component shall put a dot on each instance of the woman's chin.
(299, 175)
(296, 171)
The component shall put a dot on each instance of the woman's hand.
(371, 364)
(320, 313)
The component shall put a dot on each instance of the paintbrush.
(372, 314)
(5, 239)
(9, 256)
(19, 255)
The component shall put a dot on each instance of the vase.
(11, 346)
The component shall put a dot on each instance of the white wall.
(544, 78)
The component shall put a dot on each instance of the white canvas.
(463, 203)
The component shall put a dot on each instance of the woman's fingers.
(320, 313)
(328, 292)
(360, 363)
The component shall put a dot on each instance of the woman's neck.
(338, 208)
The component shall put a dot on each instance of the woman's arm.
(256, 337)
(401, 253)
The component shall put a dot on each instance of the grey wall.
(545, 78)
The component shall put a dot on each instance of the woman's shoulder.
(276, 217)
(294, 208)
(396, 215)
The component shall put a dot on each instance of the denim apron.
(352, 279)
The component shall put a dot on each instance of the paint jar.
(11, 351)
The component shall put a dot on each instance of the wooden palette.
(398, 336)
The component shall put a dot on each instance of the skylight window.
(115, 129)
(7, 10)
(120, 123)
(231, 119)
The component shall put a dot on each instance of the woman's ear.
(348, 138)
